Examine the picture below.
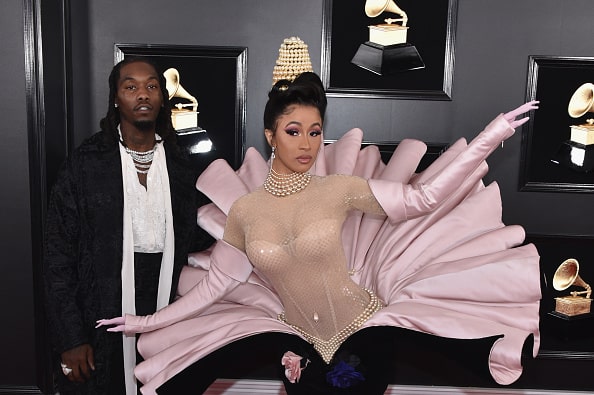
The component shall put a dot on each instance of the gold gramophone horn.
(581, 101)
(175, 89)
(374, 8)
(566, 275)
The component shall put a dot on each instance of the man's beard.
(145, 125)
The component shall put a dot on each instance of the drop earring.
(272, 156)
(116, 105)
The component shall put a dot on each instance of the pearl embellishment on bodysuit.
(327, 348)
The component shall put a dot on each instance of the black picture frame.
(216, 76)
(432, 26)
(386, 149)
(552, 80)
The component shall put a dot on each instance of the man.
(121, 221)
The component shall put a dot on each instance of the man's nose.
(142, 93)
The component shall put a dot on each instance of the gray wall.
(493, 42)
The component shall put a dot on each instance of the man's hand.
(81, 360)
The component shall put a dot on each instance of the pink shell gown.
(458, 272)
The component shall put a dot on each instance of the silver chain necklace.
(142, 160)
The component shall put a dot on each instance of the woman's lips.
(304, 159)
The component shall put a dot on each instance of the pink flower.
(292, 364)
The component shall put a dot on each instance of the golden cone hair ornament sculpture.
(293, 59)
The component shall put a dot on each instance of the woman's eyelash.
(296, 132)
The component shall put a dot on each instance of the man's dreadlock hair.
(110, 122)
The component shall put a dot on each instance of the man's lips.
(143, 107)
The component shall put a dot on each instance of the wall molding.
(28, 390)
(47, 58)
(36, 123)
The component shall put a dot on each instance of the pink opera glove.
(119, 323)
(229, 267)
(292, 364)
(524, 108)
(401, 202)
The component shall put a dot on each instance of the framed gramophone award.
(566, 319)
(207, 90)
(576, 302)
(558, 140)
(389, 48)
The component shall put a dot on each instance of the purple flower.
(344, 375)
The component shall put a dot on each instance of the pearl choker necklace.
(280, 185)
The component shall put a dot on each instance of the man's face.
(139, 95)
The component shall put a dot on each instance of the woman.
(282, 254)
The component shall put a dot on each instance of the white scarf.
(166, 274)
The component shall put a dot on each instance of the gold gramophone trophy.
(387, 50)
(181, 116)
(190, 136)
(565, 276)
(577, 153)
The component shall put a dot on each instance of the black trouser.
(147, 268)
(245, 358)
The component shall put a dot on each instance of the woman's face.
(297, 138)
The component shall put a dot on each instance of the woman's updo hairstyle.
(306, 89)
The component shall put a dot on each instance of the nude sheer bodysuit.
(295, 242)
